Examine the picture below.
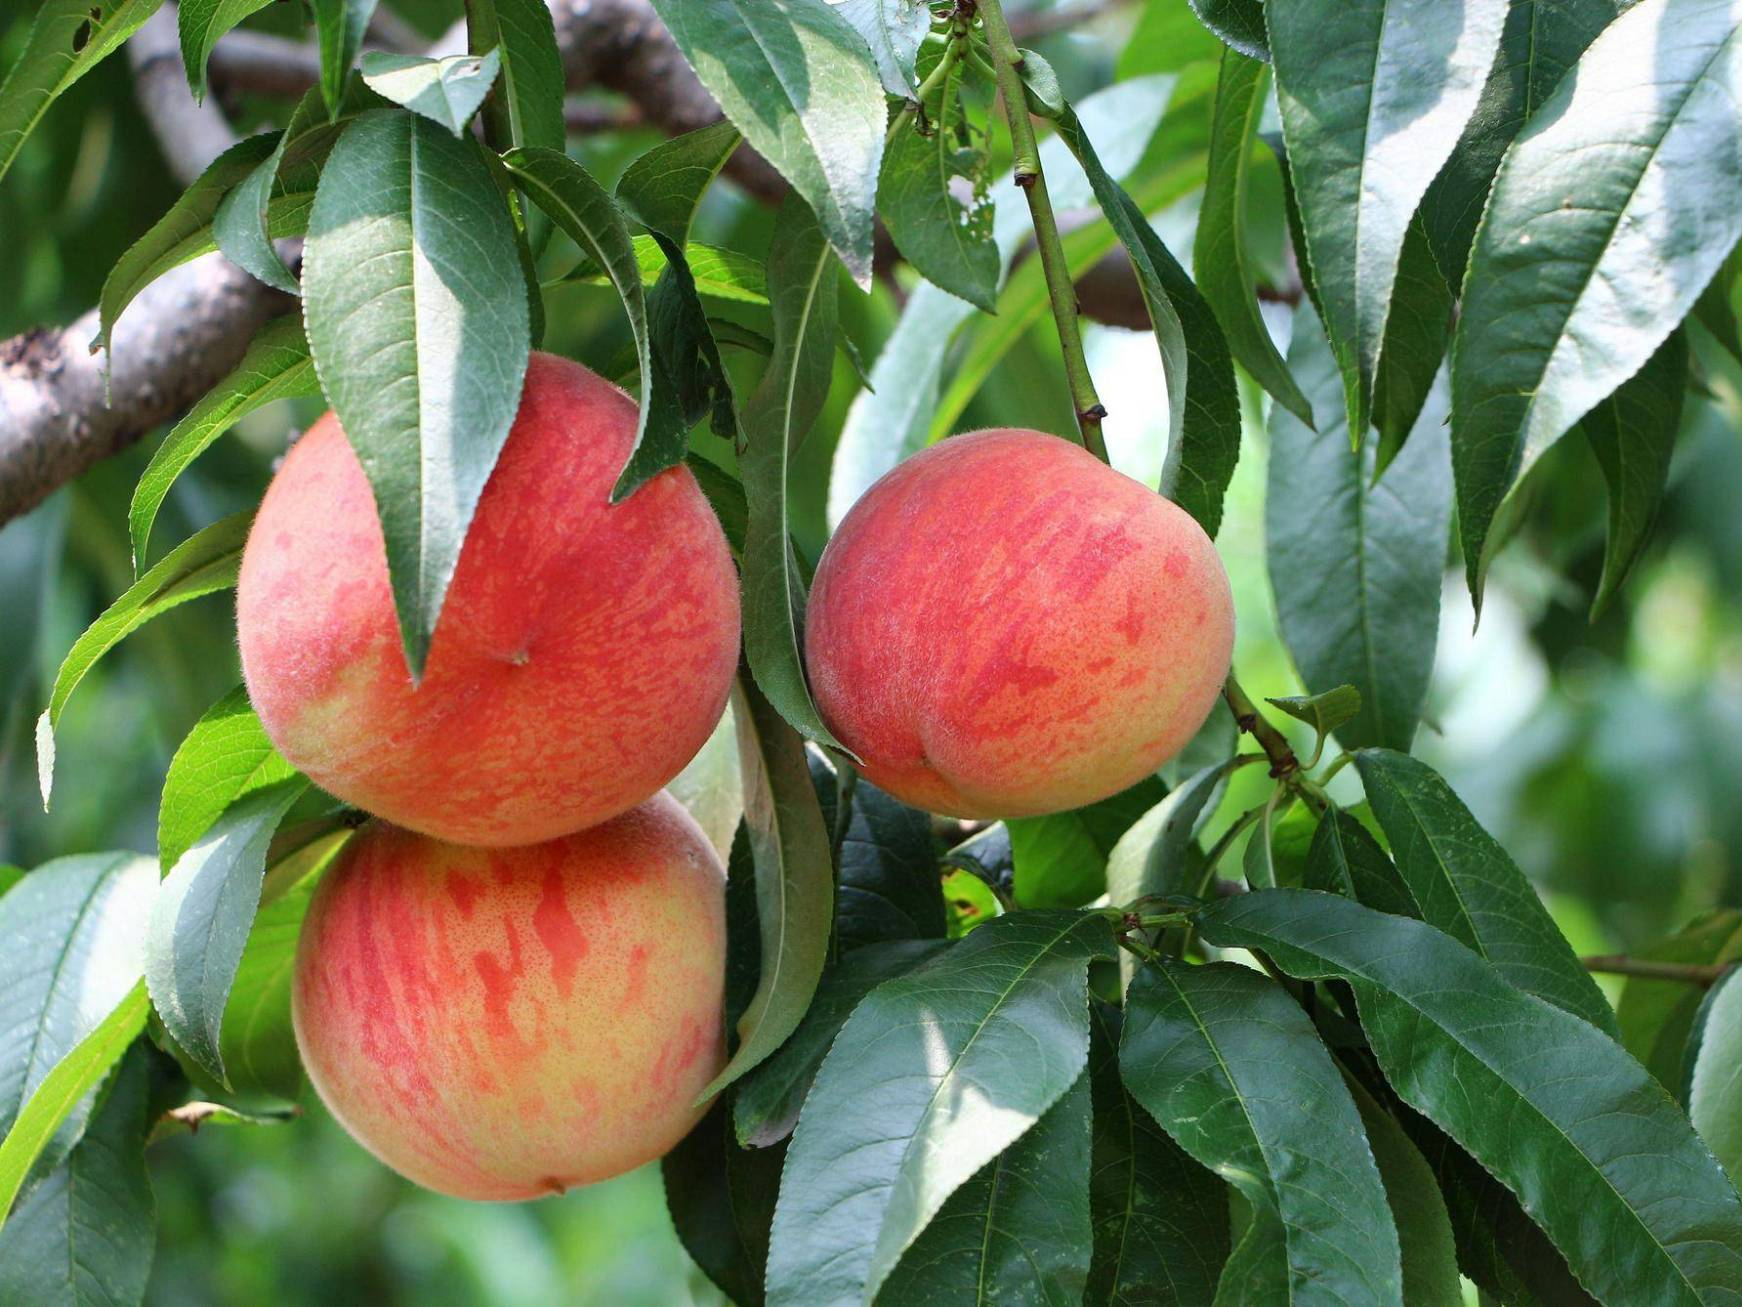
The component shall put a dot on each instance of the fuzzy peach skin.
(1003, 626)
(583, 655)
(508, 1023)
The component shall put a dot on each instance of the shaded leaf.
(1344, 858)
(339, 29)
(948, 243)
(1150, 858)
(1417, 328)
(1240, 23)
(241, 228)
(417, 320)
(1060, 860)
(721, 1198)
(1656, 1016)
(1324, 712)
(888, 877)
(201, 23)
(527, 110)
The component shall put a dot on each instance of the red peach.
(583, 655)
(507, 1023)
(1004, 626)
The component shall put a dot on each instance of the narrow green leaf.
(417, 319)
(201, 919)
(1714, 1073)
(85, 1235)
(1424, 1229)
(276, 366)
(721, 1198)
(202, 22)
(1417, 328)
(339, 27)
(888, 885)
(1357, 566)
(1160, 1219)
(1019, 1231)
(1323, 712)
(1344, 858)
(1151, 857)
(898, 1120)
(1374, 95)
(1230, 1066)
(224, 757)
(1061, 860)
(803, 294)
(800, 83)
(1239, 23)
(1579, 273)
(1465, 884)
(769, 1098)
(795, 884)
(893, 29)
(1203, 405)
(582, 208)
(947, 242)
(1598, 1153)
(66, 41)
(1540, 41)
(527, 111)
(1219, 256)
(1633, 435)
(446, 91)
(205, 562)
(718, 272)
(1656, 1017)
(240, 226)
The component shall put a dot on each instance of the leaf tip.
(45, 755)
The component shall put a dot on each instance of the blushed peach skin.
(506, 1023)
(1003, 626)
(583, 655)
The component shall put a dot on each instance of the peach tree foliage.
(1003, 1071)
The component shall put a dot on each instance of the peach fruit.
(507, 1023)
(1004, 626)
(583, 655)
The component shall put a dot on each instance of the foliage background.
(1607, 757)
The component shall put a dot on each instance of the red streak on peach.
(1004, 626)
(583, 654)
(487, 1055)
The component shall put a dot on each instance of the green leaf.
(1633, 435)
(184, 233)
(1374, 96)
(224, 757)
(769, 1098)
(1160, 1219)
(1714, 1073)
(85, 1235)
(888, 877)
(1061, 859)
(276, 366)
(417, 319)
(582, 208)
(201, 919)
(1598, 1153)
(446, 91)
(241, 225)
(1230, 1066)
(339, 27)
(800, 83)
(1240, 23)
(1424, 1229)
(527, 111)
(898, 1119)
(1203, 405)
(1018, 1232)
(948, 243)
(721, 1198)
(894, 416)
(67, 39)
(1416, 330)
(726, 497)
(795, 884)
(1540, 41)
(1579, 274)
(802, 289)
(1655, 1016)
(205, 562)
(74, 931)
(1356, 566)
(1151, 858)
(716, 271)
(1465, 884)
(893, 29)
(1323, 712)
(202, 22)
(1344, 858)
(1219, 256)
(968, 901)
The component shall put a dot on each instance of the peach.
(583, 655)
(507, 1023)
(1004, 626)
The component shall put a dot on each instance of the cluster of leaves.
(956, 1074)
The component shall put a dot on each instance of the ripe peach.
(507, 1023)
(583, 654)
(1004, 626)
